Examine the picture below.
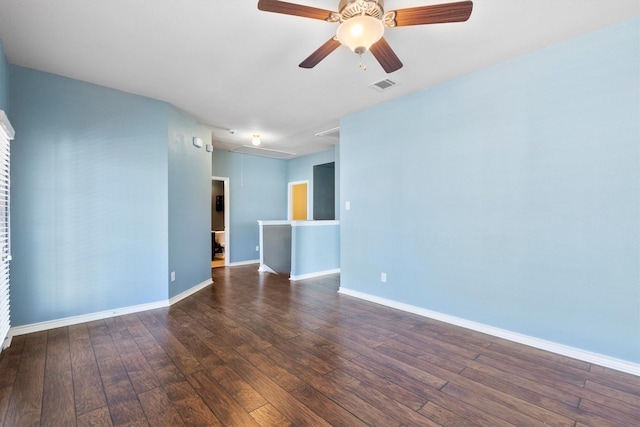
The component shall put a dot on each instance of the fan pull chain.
(361, 64)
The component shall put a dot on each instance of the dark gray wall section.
(277, 248)
(324, 191)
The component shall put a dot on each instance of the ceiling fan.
(362, 24)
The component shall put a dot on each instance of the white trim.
(264, 268)
(83, 318)
(99, 315)
(7, 342)
(260, 242)
(315, 223)
(315, 274)
(262, 222)
(289, 199)
(576, 353)
(190, 291)
(299, 223)
(249, 262)
(227, 215)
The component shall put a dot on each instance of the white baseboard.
(264, 268)
(190, 291)
(573, 352)
(315, 274)
(249, 262)
(90, 317)
(6, 342)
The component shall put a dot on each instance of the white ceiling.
(231, 66)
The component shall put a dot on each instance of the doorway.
(220, 230)
(298, 201)
(324, 191)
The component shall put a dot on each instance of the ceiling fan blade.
(434, 14)
(321, 53)
(385, 56)
(293, 9)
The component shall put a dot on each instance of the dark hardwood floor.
(258, 350)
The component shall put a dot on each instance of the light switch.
(347, 205)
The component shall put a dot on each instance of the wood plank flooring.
(258, 350)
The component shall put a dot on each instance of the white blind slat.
(6, 134)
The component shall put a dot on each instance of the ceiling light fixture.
(255, 140)
(360, 32)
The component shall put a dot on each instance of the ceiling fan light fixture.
(255, 140)
(360, 32)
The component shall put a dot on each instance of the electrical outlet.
(383, 277)
(173, 276)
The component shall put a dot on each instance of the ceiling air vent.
(383, 85)
(330, 133)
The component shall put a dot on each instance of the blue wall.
(509, 196)
(258, 188)
(189, 203)
(89, 201)
(314, 248)
(258, 191)
(4, 80)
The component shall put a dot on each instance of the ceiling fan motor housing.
(350, 8)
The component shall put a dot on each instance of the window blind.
(6, 135)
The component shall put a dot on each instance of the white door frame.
(227, 228)
(289, 203)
